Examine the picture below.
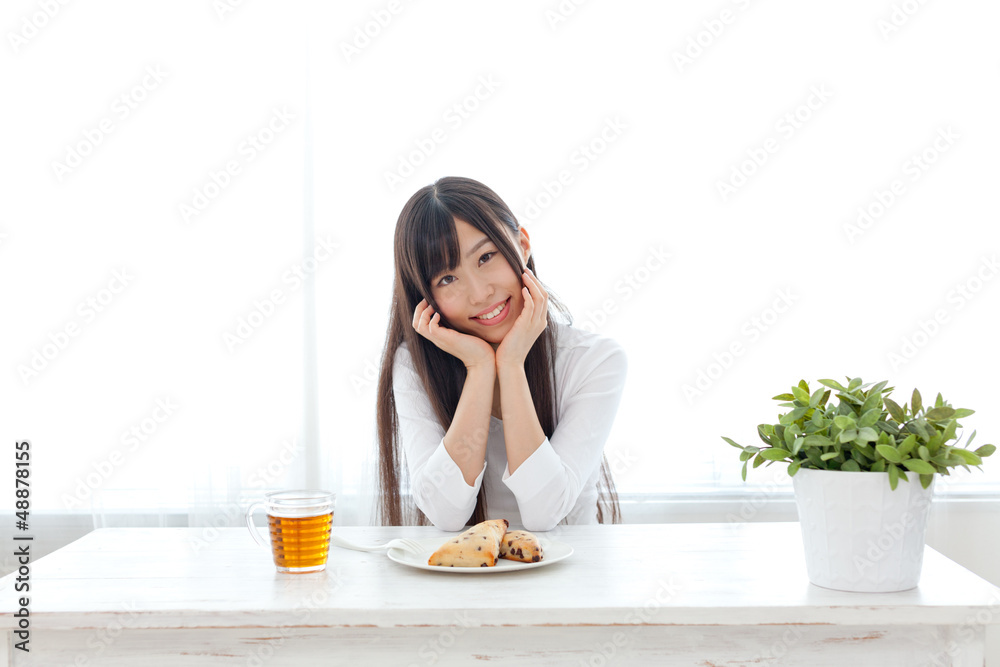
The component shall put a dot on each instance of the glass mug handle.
(254, 531)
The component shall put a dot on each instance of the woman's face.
(482, 282)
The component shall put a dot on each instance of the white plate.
(552, 552)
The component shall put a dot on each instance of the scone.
(479, 546)
(522, 546)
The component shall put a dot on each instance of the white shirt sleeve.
(436, 481)
(548, 483)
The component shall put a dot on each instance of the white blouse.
(558, 481)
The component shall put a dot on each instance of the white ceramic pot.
(859, 534)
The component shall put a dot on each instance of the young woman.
(495, 410)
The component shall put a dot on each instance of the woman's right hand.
(470, 350)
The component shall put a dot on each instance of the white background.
(368, 83)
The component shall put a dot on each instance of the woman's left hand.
(514, 348)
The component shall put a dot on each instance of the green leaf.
(919, 426)
(925, 480)
(745, 471)
(848, 398)
(916, 403)
(949, 430)
(833, 384)
(792, 416)
(893, 477)
(869, 418)
(817, 440)
(800, 395)
(758, 459)
(793, 468)
(843, 422)
(797, 445)
(775, 454)
(764, 432)
(963, 412)
(851, 466)
(939, 401)
(867, 434)
(745, 455)
(895, 411)
(888, 427)
(737, 446)
(907, 445)
(873, 401)
(918, 466)
(878, 466)
(848, 435)
(829, 455)
(804, 387)
(854, 384)
(939, 413)
(971, 438)
(816, 397)
(924, 453)
(889, 453)
(783, 397)
(986, 450)
(969, 457)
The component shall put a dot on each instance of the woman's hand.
(529, 325)
(470, 350)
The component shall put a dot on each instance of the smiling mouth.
(496, 312)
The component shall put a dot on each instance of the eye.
(482, 260)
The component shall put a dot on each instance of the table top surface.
(655, 574)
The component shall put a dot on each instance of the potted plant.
(862, 529)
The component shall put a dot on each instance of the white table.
(678, 594)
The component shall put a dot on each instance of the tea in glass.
(299, 524)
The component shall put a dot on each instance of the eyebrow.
(479, 244)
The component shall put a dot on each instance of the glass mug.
(299, 523)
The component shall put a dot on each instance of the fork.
(411, 546)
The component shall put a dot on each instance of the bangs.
(437, 246)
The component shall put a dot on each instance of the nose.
(481, 291)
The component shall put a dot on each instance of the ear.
(525, 241)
